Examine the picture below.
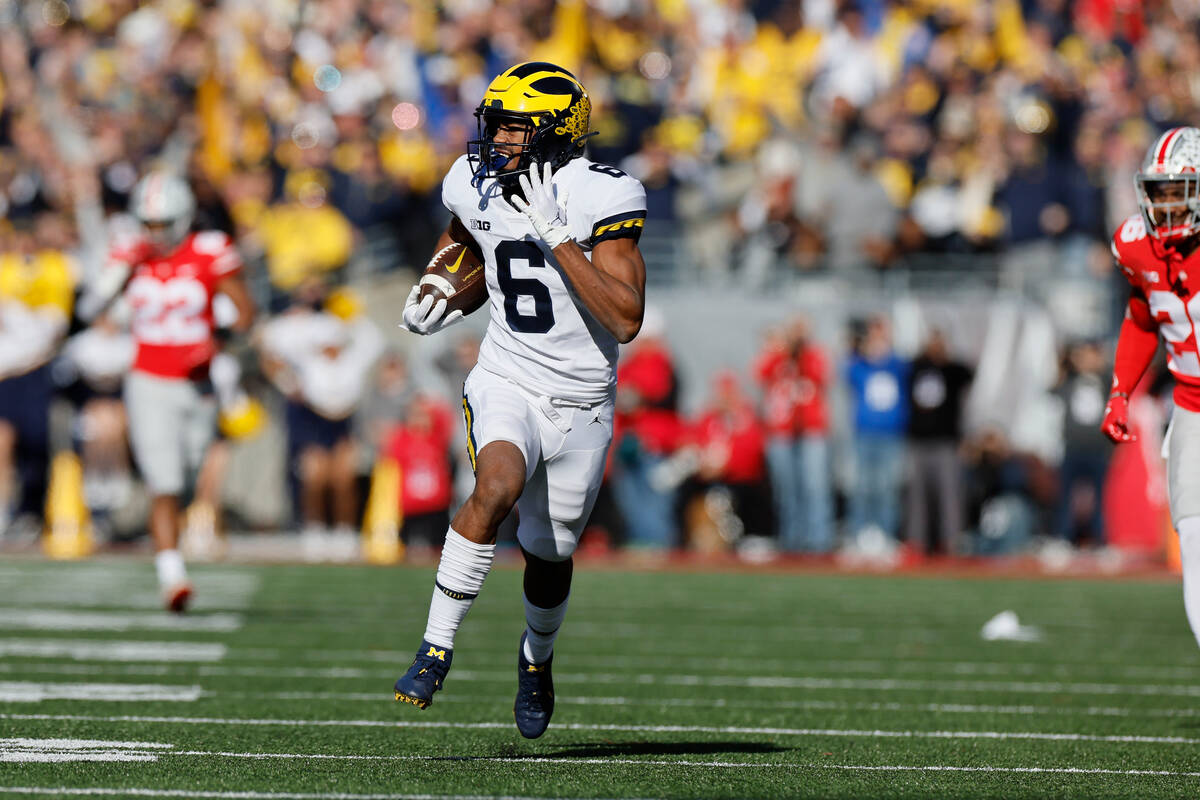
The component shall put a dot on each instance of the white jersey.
(541, 336)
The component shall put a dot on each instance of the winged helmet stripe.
(1168, 140)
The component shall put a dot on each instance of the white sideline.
(766, 731)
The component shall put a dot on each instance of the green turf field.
(669, 684)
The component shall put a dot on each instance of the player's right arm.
(1136, 346)
(421, 314)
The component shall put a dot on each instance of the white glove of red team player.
(1116, 420)
(543, 209)
(424, 316)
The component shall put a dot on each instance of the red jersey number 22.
(172, 312)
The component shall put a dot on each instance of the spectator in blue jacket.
(877, 378)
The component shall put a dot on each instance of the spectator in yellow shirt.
(37, 287)
(305, 236)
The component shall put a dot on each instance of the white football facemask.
(164, 204)
(1168, 185)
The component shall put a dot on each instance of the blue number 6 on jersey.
(542, 318)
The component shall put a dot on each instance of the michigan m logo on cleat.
(425, 676)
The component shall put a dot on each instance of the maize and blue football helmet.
(546, 99)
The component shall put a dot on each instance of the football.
(456, 273)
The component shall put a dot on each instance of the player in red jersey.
(170, 276)
(1157, 250)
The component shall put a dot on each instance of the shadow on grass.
(609, 749)
(627, 749)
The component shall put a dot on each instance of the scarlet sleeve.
(766, 364)
(1136, 345)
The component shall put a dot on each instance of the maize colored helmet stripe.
(537, 88)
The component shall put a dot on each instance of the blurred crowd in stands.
(777, 139)
(761, 458)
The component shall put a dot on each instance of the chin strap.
(498, 160)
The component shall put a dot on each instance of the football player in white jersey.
(566, 283)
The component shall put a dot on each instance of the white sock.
(541, 629)
(460, 576)
(169, 566)
(1189, 554)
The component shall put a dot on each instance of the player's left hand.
(1116, 420)
(544, 210)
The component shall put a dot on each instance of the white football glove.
(544, 210)
(424, 316)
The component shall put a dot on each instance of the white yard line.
(1018, 770)
(851, 631)
(592, 678)
(86, 669)
(860, 665)
(122, 585)
(89, 649)
(568, 761)
(722, 729)
(50, 619)
(101, 650)
(38, 757)
(607, 631)
(103, 792)
(31, 692)
(25, 750)
(82, 744)
(557, 761)
(724, 702)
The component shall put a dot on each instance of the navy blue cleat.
(535, 695)
(425, 676)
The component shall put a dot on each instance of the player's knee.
(547, 583)
(497, 491)
(549, 548)
(549, 542)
